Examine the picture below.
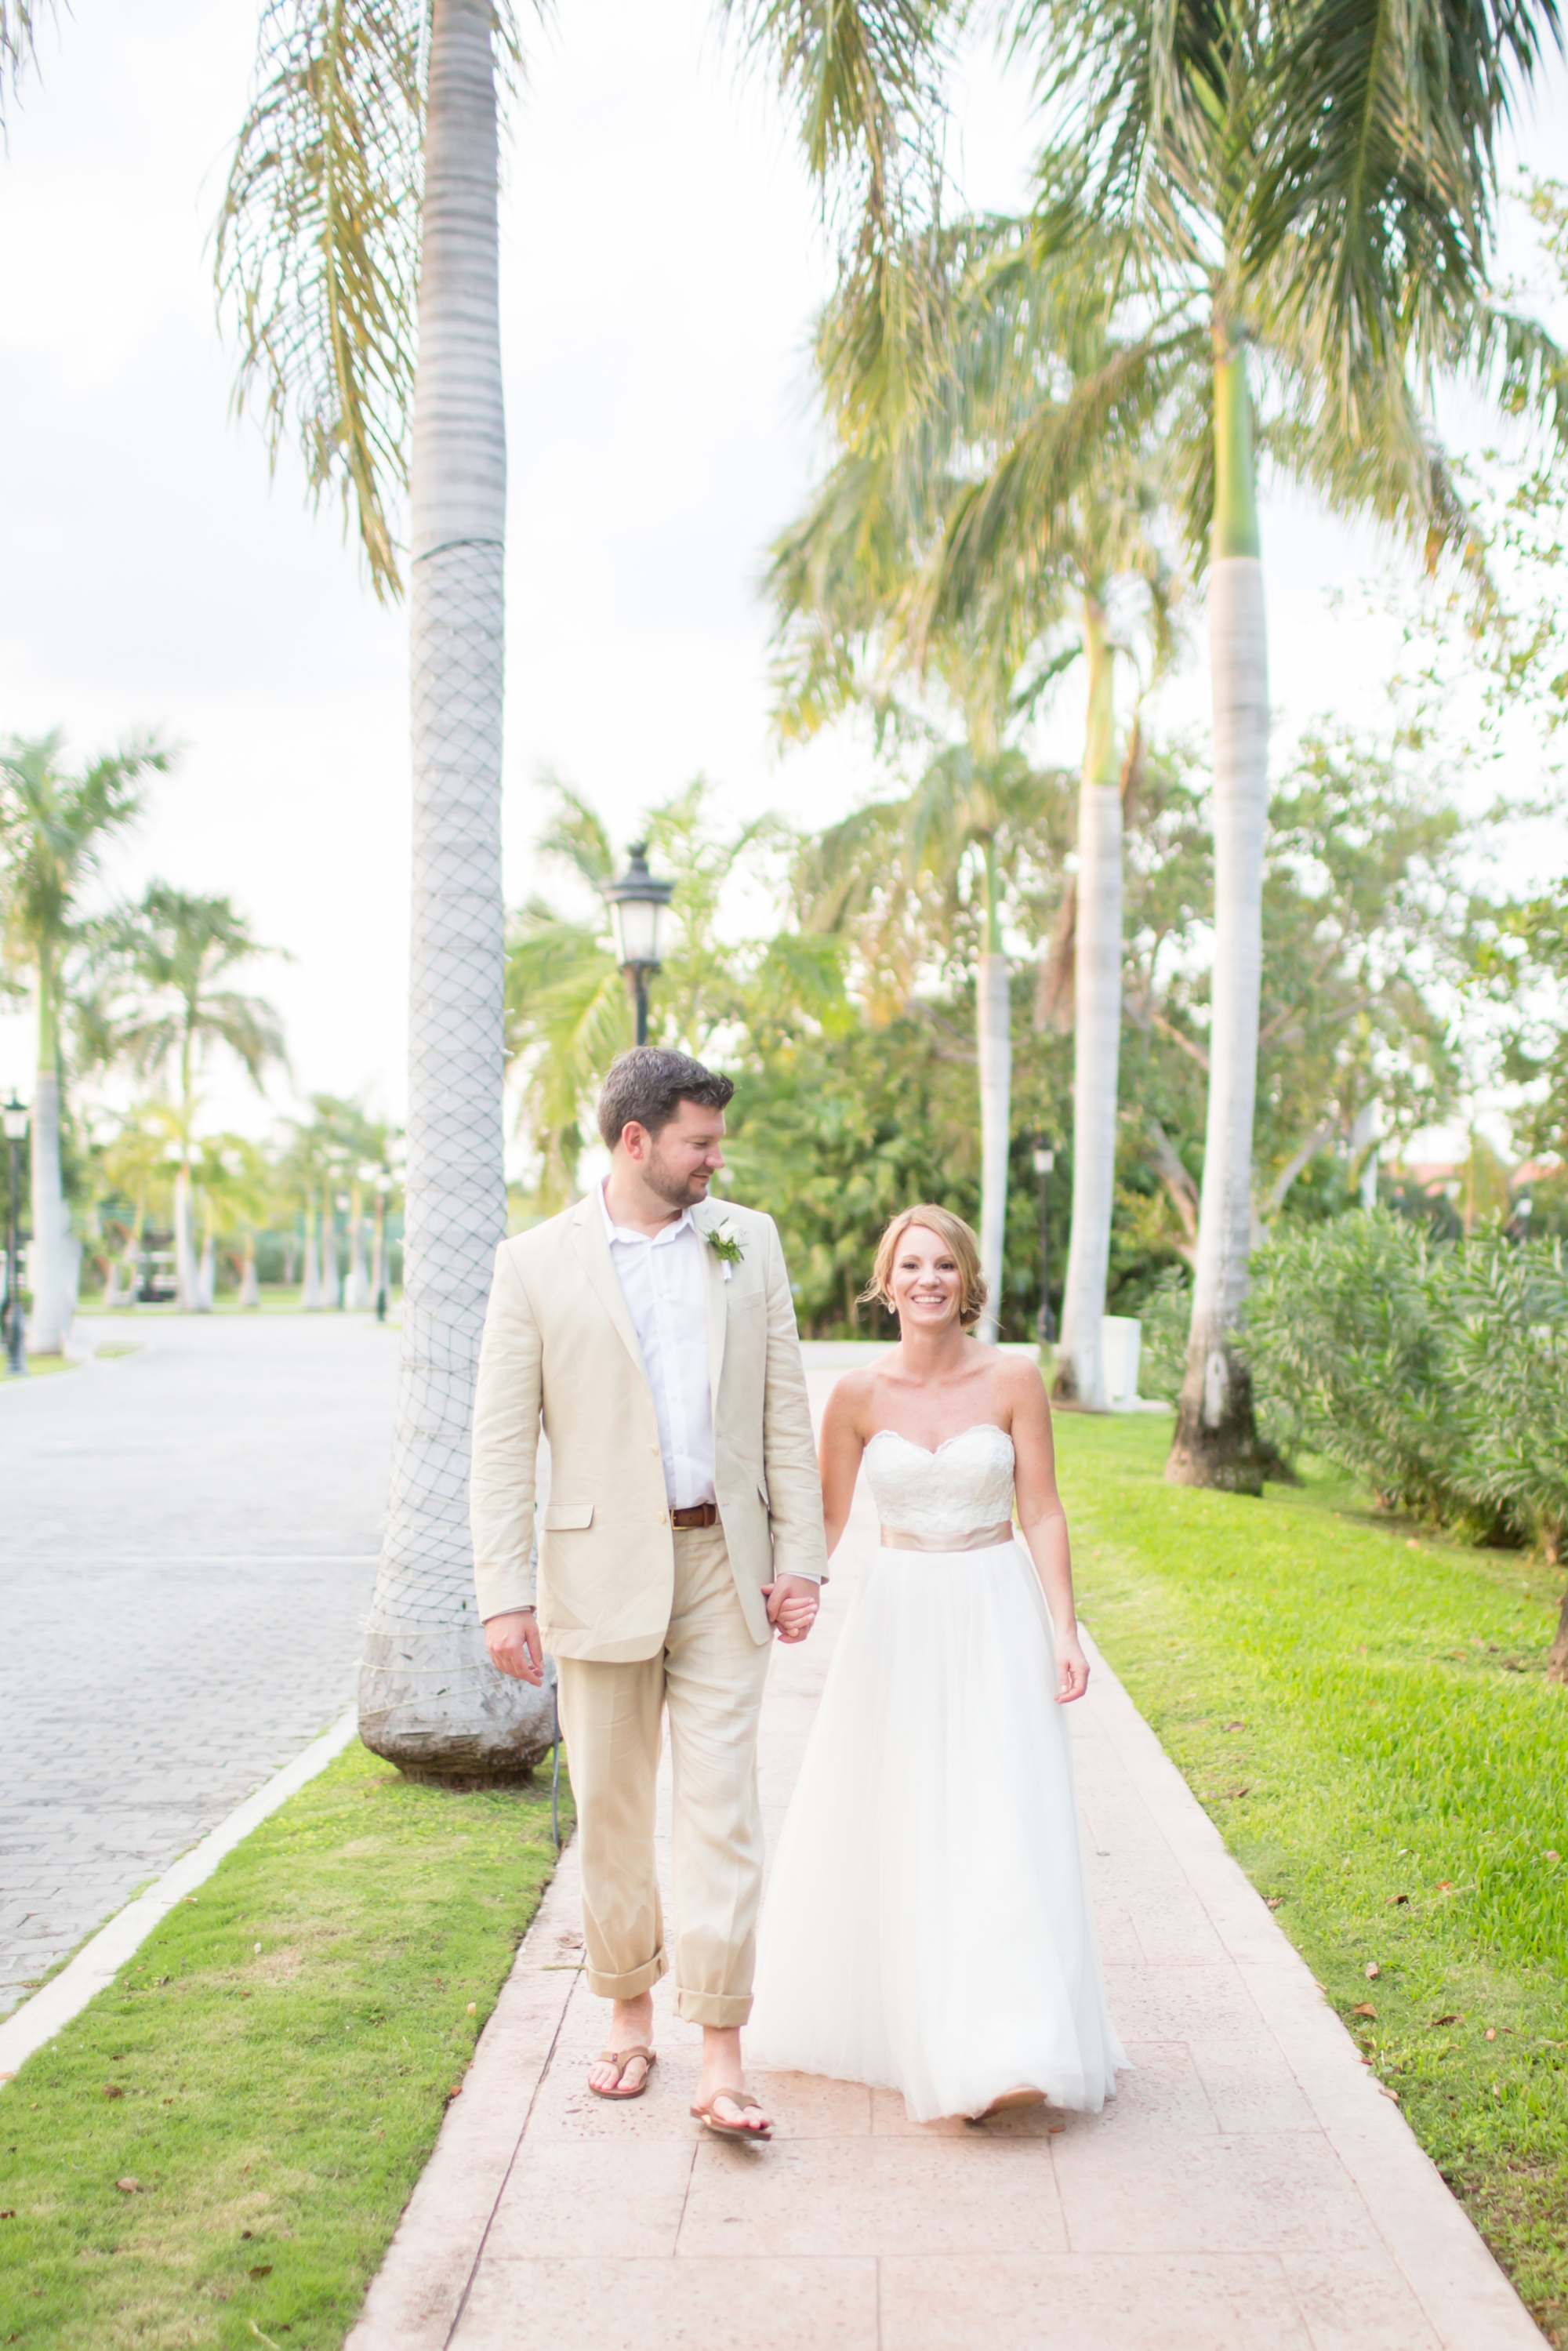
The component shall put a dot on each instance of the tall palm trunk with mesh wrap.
(1097, 1032)
(1216, 1441)
(429, 1697)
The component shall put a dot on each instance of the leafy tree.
(53, 827)
(1370, 929)
(567, 1010)
(833, 1134)
(931, 871)
(1315, 187)
(901, 555)
(134, 1178)
(1521, 964)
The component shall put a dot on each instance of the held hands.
(1071, 1668)
(513, 1641)
(792, 1604)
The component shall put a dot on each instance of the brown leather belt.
(975, 1538)
(700, 1514)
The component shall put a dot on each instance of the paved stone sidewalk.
(1251, 2190)
(187, 1545)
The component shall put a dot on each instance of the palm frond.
(1526, 368)
(19, 23)
(860, 76)
(158, 966)
(1379, 155)
(577, 834)
(318, 250)
(53, 826)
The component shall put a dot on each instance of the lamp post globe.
(637, 903)
(13, 1116)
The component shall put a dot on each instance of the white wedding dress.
(928, 1928)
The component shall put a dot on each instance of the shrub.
(1509, 1354)
(1344, 1339)
(1165, 1314)
(1436, 1369)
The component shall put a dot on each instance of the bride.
(927, 1926)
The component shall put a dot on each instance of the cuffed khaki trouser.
(710, 1674)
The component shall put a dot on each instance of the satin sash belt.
(976, 1538)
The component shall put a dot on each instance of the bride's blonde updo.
(955, 1238)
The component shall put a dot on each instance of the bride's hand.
(1071, 1668)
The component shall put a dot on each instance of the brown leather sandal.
(621, 2059)
(719, 2127)
(1010, 2099)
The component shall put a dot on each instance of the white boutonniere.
(723, 1239)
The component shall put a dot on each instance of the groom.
(682, 1530)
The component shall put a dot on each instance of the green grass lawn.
(219, 2147)
(1364, 1712)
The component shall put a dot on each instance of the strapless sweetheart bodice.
(966, 1485)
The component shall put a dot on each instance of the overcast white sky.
(662, 260)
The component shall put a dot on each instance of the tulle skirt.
(928, 1928)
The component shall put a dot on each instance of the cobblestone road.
(187, 1545)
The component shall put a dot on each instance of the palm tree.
(358, 250)
(988, 514)
(134, 1166)
(932, 870)
(234, 1182)
(1313, 185)
(568, 1013)
(1317, 185)
(1045, 538)
(324, 1157)
(53, 826)
(162, 966)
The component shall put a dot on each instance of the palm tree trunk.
(48, 1255)
(130, 1260)
(354, 1296)
(311, 1279)
(1097, 1032)
(993, 1036)
(249, 1287)
(187, 1287)
(331, 1281)
(1557, 1656)
(208, 1272)
(1216, 1441)
(429, 1697)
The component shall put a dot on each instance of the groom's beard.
(676, 1191)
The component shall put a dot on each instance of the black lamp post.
(637, 903)
(14, 1116)
(1044, 1161)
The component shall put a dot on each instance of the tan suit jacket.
(560, 1343)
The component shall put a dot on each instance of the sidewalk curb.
(100, 1958)
(416, 2297)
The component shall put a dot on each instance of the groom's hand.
(792, 1604)
(513, 1641)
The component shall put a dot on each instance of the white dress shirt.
(664, 1284)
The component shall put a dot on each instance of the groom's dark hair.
(649, 1084)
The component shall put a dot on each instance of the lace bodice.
(966, 1484)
